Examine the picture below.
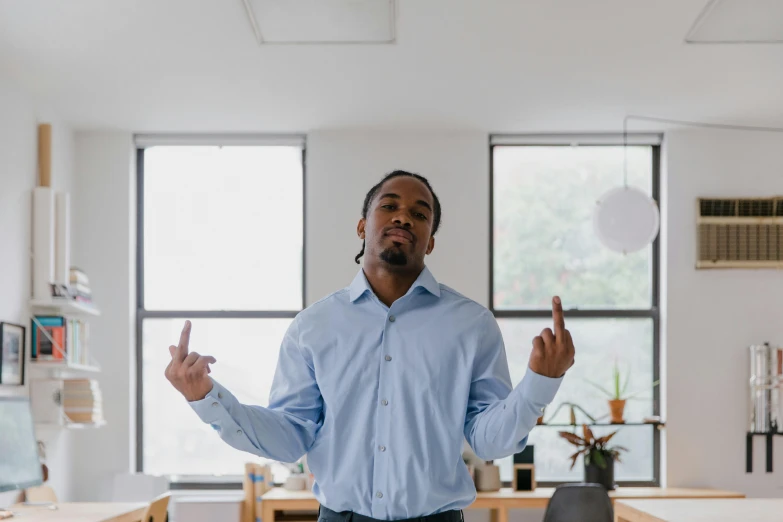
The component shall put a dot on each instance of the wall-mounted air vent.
(740, 233)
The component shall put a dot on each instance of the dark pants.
(327, 515)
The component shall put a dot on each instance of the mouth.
(400, 235)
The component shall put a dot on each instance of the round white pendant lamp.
(626, 219)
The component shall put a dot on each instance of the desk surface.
(702, 510)
(81, 512)
(508, 495)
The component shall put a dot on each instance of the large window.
(220, 242)
(543, 195)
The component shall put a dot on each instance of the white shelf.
(64, 366)
(72, 425)
(65, 306)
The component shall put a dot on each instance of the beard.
(394, 256)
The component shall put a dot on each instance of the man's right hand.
(189, 372)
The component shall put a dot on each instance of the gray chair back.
(579, 503)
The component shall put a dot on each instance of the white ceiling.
(733, 21)
(490, 65)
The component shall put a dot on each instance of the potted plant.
(599, 457)
(618, 395)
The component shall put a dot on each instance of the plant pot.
(617, 407)
(597, 475)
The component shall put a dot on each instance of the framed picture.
(11, 354)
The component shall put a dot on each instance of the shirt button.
(214, 404)
(239, 432)
(392, 318)
(382, 448)
(388, 357)
(379, 495)
(384, 402)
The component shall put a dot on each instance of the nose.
(402, 219)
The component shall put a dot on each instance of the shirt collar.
(426, 280)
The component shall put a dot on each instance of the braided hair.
(396, 174)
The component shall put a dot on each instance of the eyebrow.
(397, 196)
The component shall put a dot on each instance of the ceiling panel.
(323, 21)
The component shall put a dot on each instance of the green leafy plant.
(619, 385)
(595, 450)
(573, 408)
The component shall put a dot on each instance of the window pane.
(552, 452)
(544, 242)
(599, 342)
(223, 228)
(175, 439)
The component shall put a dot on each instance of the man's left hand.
(553, 352)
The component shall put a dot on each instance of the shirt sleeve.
(500, 418)
(286, 429)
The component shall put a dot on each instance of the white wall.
(105, 217)
(714, 315)
(19, 119)
(343, 166)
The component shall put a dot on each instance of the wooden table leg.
(621, 514)
(493, 515)
(267, 511)
(503, 514)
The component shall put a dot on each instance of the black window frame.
(142, 313)
(652, 313)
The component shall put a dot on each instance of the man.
(378, 383)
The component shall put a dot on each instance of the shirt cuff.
(538, 389)
(211, 407)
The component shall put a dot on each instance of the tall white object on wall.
(43, 242)
(62, 265)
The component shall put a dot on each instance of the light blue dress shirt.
(382, 398)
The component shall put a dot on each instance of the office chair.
(579, 503)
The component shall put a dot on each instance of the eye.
(388, 206)
(420, 215)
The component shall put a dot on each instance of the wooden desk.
(702, 510)
(81, 512)
(498, 502)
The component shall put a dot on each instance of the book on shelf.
(59, 338)
(77, 276)
(82, 400)
(77, 401)
(48, 338)
(79, 286)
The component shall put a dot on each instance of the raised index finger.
(184, 341)
(557, 316)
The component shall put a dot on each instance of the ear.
(430, 245)
(360, 228)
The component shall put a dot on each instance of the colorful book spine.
(50, 345)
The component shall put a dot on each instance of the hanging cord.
(625, 152)
(722, 126)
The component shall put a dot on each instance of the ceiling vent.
(322, 21)
(740, 233)
(738, 22)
